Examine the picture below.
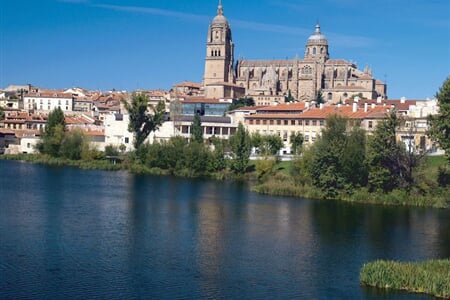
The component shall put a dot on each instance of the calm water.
(69, 233)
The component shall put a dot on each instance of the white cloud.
(153, 11)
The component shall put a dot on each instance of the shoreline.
(279, 184)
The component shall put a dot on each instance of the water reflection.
(89, 234)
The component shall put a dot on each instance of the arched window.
(321, 50)
(212, 53)
(330, 96)
(345, 95)
(307, 51)
(314, 51)
(219, 52)
(215, 53)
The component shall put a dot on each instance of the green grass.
(430, 277)
(100, 164)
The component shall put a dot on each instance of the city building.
(47, 101)
(302, 78)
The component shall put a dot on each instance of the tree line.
(342, 159)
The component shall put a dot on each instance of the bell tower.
(219, 52)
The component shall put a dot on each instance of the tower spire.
(220, 8)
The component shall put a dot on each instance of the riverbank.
(277, 182)
(283, 185)
(430, 277)
(282, 182)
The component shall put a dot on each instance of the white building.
(46, 102)
(116, 131)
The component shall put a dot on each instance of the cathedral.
(302, 78)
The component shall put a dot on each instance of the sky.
(151, 44)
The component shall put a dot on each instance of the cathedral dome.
(220, 18)
(317, 37)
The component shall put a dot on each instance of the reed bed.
(430, 277)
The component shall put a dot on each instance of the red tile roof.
(297, 106)
(49, 95)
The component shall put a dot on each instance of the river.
(67, 233)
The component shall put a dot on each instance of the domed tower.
(219, 51)
(317, 46)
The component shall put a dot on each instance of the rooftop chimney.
(365, 106)
(355, 107)
(402, 99)
(379, 98)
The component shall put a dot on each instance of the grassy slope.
(283, 184)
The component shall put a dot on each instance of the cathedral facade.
(302, 78)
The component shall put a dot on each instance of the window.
(250, 122)
(271, 122)
(278, 122)
(322, 122)
(306, 70)
(314, 122)
(127, 140)
(330, 96)
(286, 122)
(264, 122)
(292, 122)
(300, 122)
(370, 124)
(257, 122)
(306, 122)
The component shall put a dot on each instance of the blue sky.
(146, 44)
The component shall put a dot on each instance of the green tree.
(111, 150)
(440, 124)
(217, 159)
(289, 97)
(143, 122)
(256, 141)
(319, 98)
(359, 95)
(55, 118)
(240, 143)
(386, 159)
(53, 134)
(241, 102)
(266, 144)
(272, 144)
(74, 143)
(197, 130)
(2, 114)
(338, 154)
(296, 139)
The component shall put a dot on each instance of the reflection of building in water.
(210, 243)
